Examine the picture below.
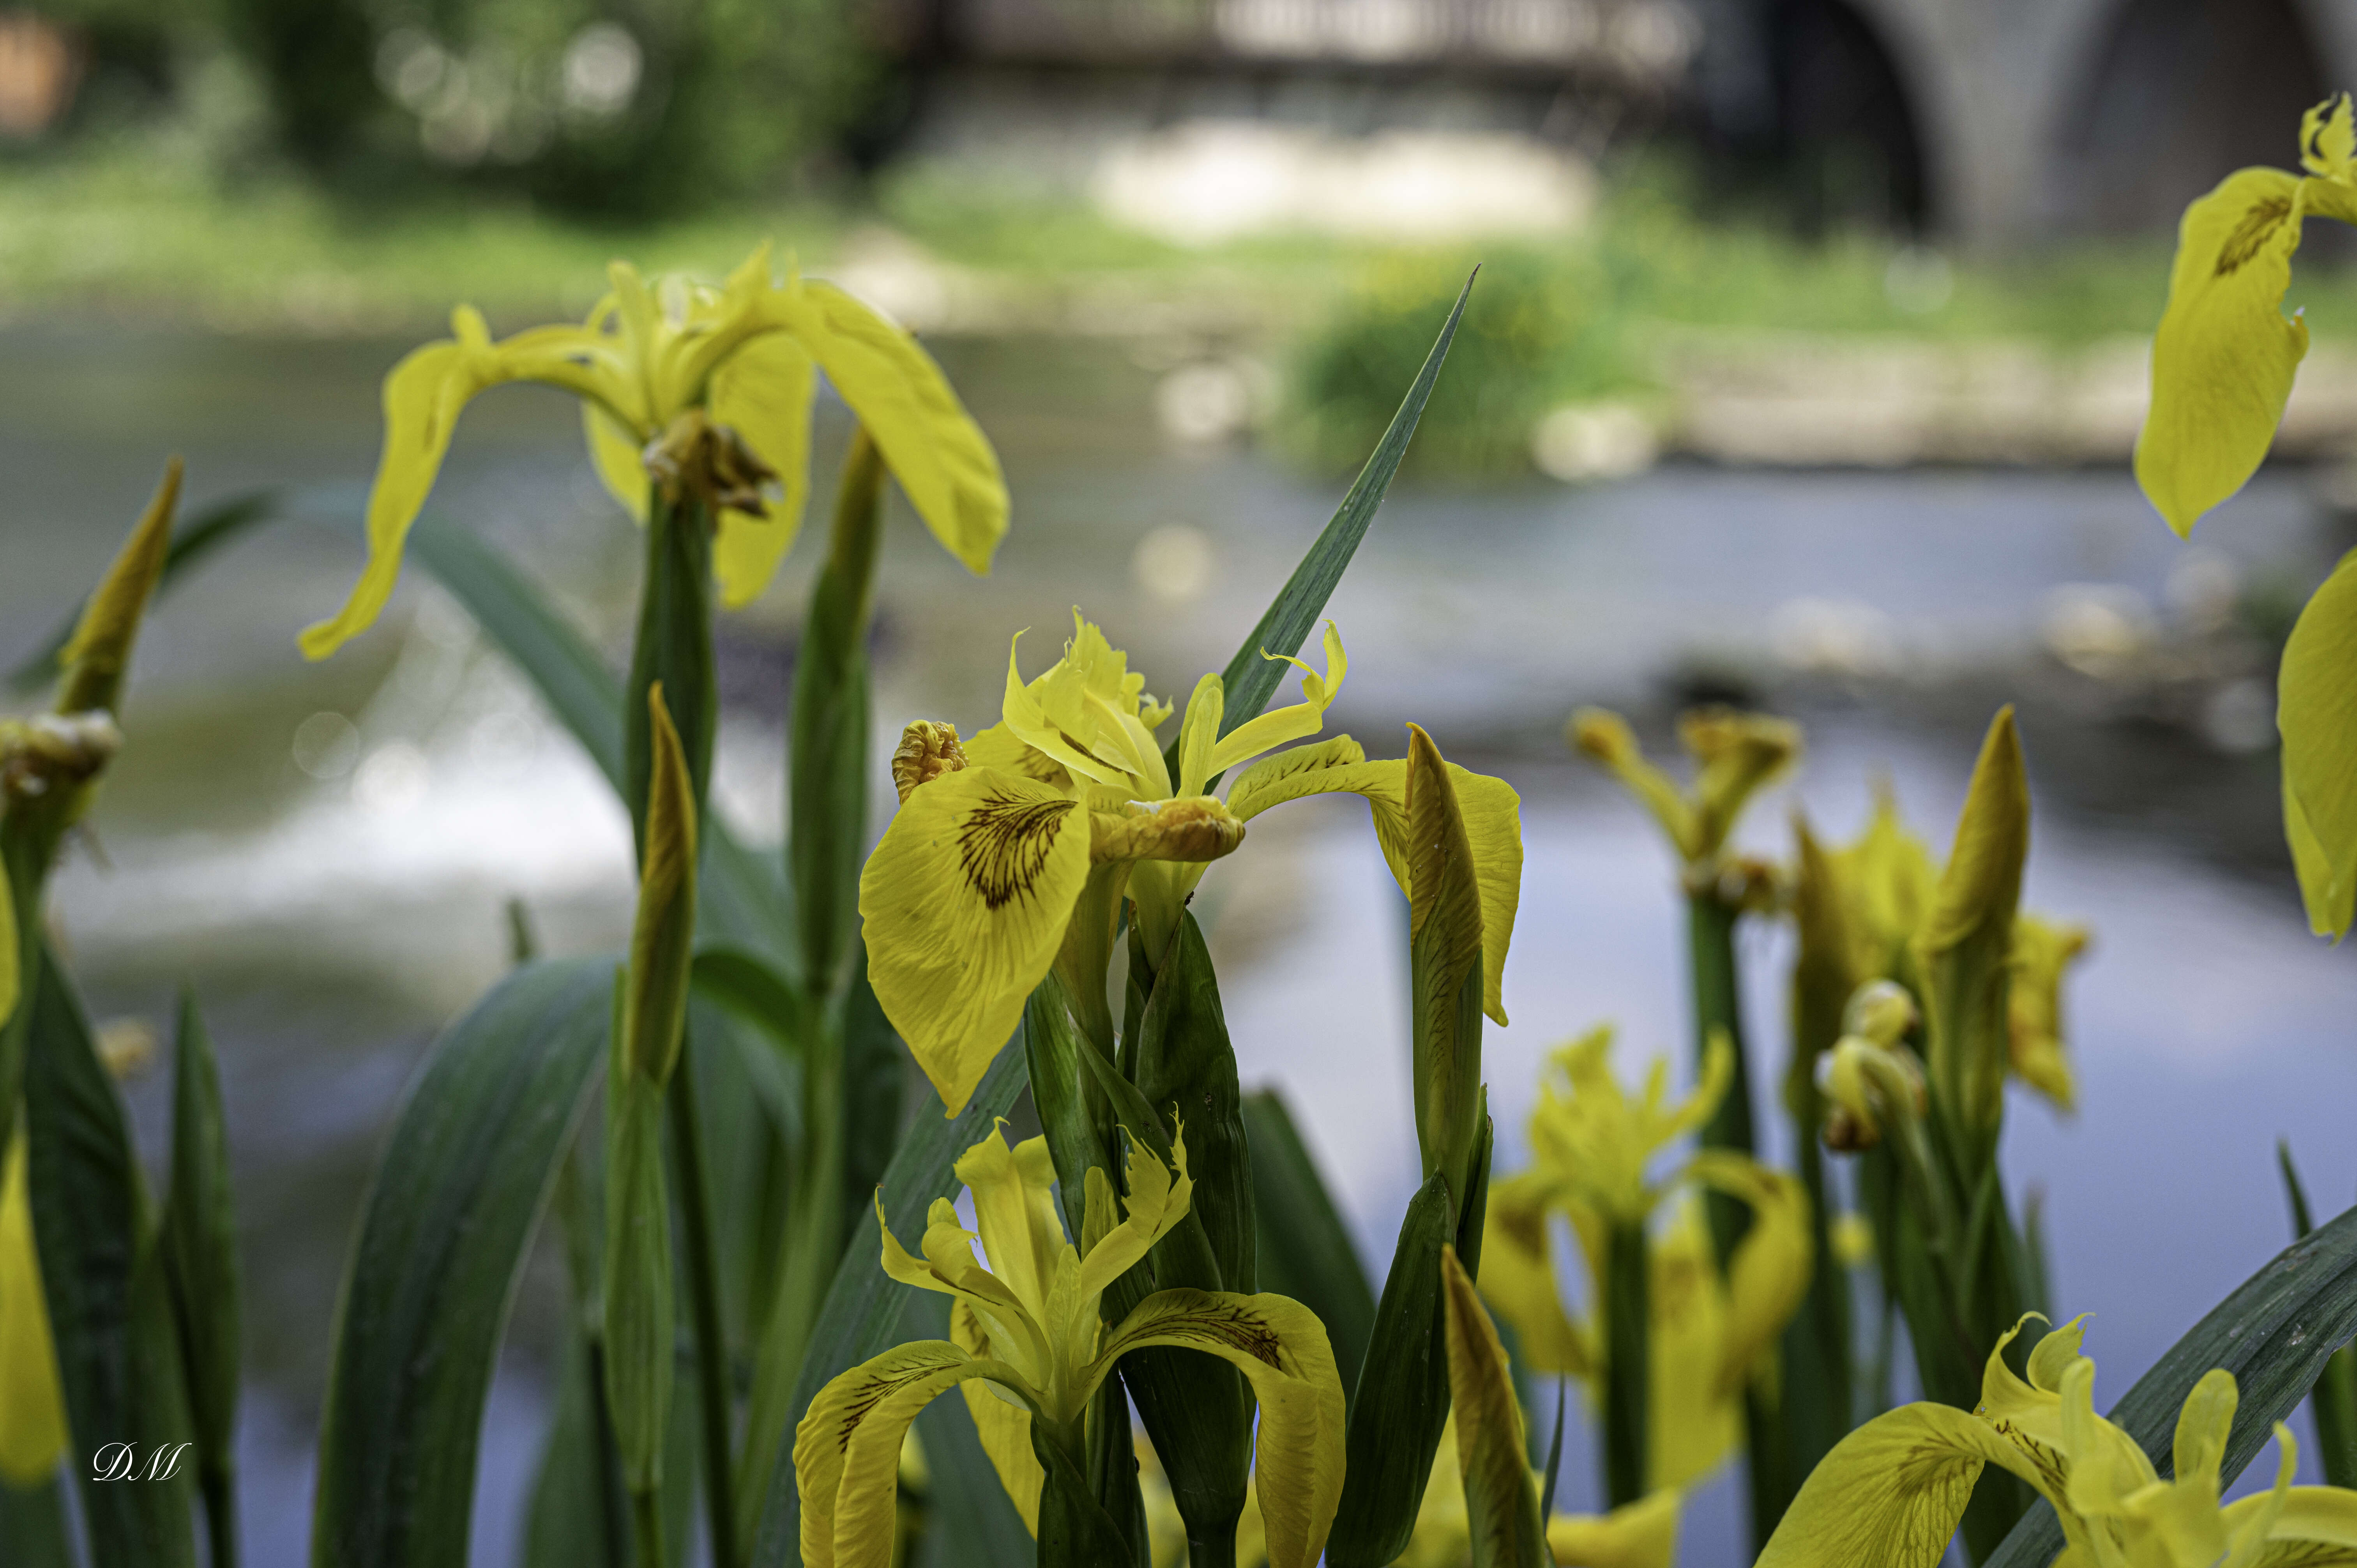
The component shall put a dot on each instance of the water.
(331, 919)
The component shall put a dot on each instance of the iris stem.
(1628, 1361)
(646, 1527)
(703, 1303)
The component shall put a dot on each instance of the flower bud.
(1883, 1011)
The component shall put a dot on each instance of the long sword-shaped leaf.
(1248, 680)
(740, 898)
(1306, 1250)
(472, 1163)
(110, 1310)
(861, 1317)
(2274, 1333)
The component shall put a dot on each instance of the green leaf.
(1075, 1531)
(2334, 1398)
(874, 1086)
(1306, 1250)
(861, 1317)
(442, 1243)
(639, 1315)
(199, 1245)
(1402, 1401)
(109, 1310)
(33, 1523)
(739, 898)
(568, 1524)
(192, 541)
(1248, 680)
(2274, 1333)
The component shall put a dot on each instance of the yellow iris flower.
(1030, 1347)
(649, 353)
(1889, 1494)
(1592, 1146)
(1735, 755)
(2223, 363)
(969, 894)
(1886, 883)
(32, 1406)
(2223, 358)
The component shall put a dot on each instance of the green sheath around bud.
(654, 1006)
(100, 651)
(1445, 940)
(1965, 949)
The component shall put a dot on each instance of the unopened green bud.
(654, 1009)
(1445, 940)
(1963, 953)
(98, 653)
(1881, 1011)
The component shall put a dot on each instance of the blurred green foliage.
(623, 110)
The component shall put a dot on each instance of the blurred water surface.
(326, 851)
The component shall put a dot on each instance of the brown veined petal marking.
(965, 902)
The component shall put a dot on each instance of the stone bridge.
(1985, 123)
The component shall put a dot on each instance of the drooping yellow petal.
(1890, 1493)
(423, 397)
(931, 444)
(1518, 1277)
(1735, 753)
(1280, 1346)
(1002, 1423)
(32, 1406)
(763, 393)
(1199, 732)
(847, 1447)
(1770, 1271)
(1502, 1507)
(1887, 880)
(1280, 727)
(2316, 712)
(1491, 809)
(964, 904)
(2224, 355)
(1694, 1420)
(1642, 1534)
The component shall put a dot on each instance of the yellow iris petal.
(847, 1447)
(32, 1406)
(2223, 358)
(1281, 726)
(929, 441)
(1158, 1199)
(1491, 809)
(1890, 1493)
(423, 397)
(1518, 1278)
(1769, 1272)
(1280, 1346)
(1642, 1534)
(1003, 1423)
(2316, 712)
(965, 901)
(614, 451)
(763, 393)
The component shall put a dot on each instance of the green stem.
(1718, 1006)
(219, 1485)
(673, 646)
(646, 1527)
(607, 1453)
(703, 1303)
(1628, 1361)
